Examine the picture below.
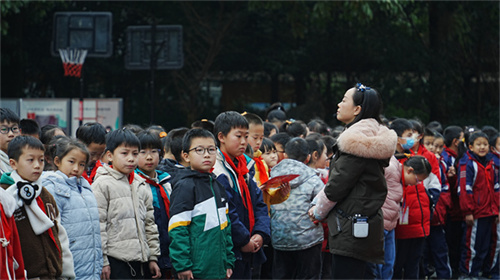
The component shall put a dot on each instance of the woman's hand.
(106, 272)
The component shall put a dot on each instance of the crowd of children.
(145, 203)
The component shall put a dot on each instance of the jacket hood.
(108, 170)
(291, 166)
(368, 139)
(182, 174)
(60, 179)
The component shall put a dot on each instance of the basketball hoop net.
(73, 61)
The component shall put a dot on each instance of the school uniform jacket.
(238, 213)
(433, 182)
(80, 218)
(358, 185)
(11, 256)
(453, 211)
(199, 226)
(126, 216)
(477, 190)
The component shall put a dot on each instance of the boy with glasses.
(9, 128)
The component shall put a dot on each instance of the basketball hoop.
(73, 61)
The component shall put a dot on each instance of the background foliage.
(432, 60)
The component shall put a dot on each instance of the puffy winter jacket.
(80, 218)
(291, 228)
(126, 216)
(394, 194)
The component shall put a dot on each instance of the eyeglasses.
(201, 151)
(6, 129)
(152, 152)
(416, 179)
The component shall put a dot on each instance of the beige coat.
(126, 216)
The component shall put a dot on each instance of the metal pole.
(80, 117)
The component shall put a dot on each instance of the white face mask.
(415, 137)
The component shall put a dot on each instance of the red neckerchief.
(163, 193)
(131, 178)
(263, 177)
(451, 152)
(241, 171)
(51, 234)
(90, 178)
(5, 225)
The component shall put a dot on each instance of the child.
(77, 205)
(438, 145)
(414, 218)
(318, 158)
(255, 137)
(269, 153)
(250, 224)
(11, 256)
(93, 135)
(296, 239)
(172, 147)
(280, 140)
(149, 157)
(478, 202)
(129, 234)
(9, 128)
(428, 140)
(44, 241)
(201, 244)
(30, 127)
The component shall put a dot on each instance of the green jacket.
(199, 226)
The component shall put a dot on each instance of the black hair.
(451, 133)
(8, 115)
(297, 149)
(156, 129)
(337, 131)
(281, 138)
(195, 133)
(370, 101)
(204, 123)
(294, 128)
(16, 146)
(121, 137)
(226, 121)
(315, 145)
(419, 164)
(489, 130)
(400, 126)
(276, 115)
(438, 135)
(418, 126)
(277, 106)
(494, 139)
(267, 145)
(436, 126)
(48, 132)
(319, 126)
(63, 145)
(173, 142)
(268, 127)
(314, 136)
(253, 119)
(51, 152)
(29, 127)
(329, 143)
(473, 137)
(92, 132)
(134, 128)
(149, 139)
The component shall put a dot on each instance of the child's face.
(270, 157)
(497, 146)
(438, 146)
(256, 134)
(411, 178)
(429, 143)
(72, 164)
(202, 154)
(480, 146)
(124, 158)
(95, 151)
(281, 151)
(148, 161)
(322, 160)
(8, 131)
(235, 142)
(30, 164)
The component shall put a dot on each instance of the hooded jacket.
(126, 217)
(291, 228)
(358, 186)
(394, 194)
(80, 218)
(199, 226)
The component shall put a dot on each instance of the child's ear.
(220, 137)
(13, 163)
(57, 161)
(308, 159)
(185, 156)
(108, 155)
(314, 156)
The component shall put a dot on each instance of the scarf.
(90, 178)
(4, 163)
(241, 171)
(261, 167)
(163, 193)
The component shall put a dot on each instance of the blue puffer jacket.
(80, 218)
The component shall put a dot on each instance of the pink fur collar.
(368, 139)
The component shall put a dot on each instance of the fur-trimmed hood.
(368, 139)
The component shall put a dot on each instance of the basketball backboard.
(168, 45)
(83, 30)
